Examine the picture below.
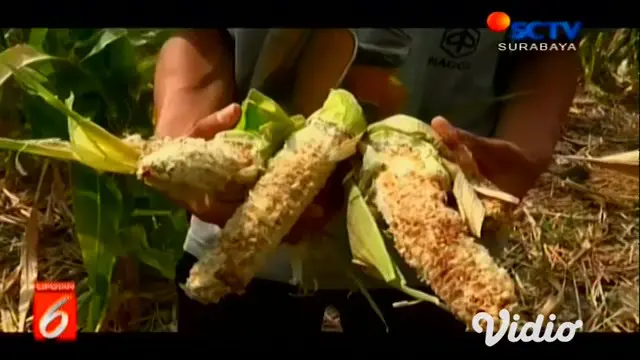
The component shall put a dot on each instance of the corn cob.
(294, 177)
(409, 191)
(211, 166)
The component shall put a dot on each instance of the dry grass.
(59, 256)
(573, 249)
(574, 246)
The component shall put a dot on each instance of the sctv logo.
(545, 30)
(535, 35)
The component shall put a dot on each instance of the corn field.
(120, 240)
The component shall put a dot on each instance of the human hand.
(217, 209)
(211, 208)
(499, 161)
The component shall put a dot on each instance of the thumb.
(448, 133)
(218, 121)
(461, 143)
(454, 137)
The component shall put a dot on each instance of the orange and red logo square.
(55, 311)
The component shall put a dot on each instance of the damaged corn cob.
(407, 182)
(294, 177)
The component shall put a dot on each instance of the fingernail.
(438, 118)
(229, 111)
(445, 130)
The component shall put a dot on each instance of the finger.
(457, 140)
(447, 132)
(454, 138)
(219, 121)
(464, 158)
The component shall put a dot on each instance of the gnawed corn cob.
(294, 177)
(408, 187)
(231, 157)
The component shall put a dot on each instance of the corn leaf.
(18, 57)
(134, 239)
(107, 37)
(97, 208)
(37, 37)
(52, 148)
(44, 120)
(59, 150)
(95, 145)
(146, 68)
(92, 144)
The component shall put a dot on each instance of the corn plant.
(106, 75)
(610, 62)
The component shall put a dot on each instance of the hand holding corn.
(293, 179)
(206, 207)
(407, 181)
(502, 162)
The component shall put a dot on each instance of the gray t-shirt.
(448, 72)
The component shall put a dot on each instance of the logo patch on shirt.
(459, 43)
(456, 44)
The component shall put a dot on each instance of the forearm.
(194, 78)
(534, 121)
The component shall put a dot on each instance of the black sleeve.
(385, 47)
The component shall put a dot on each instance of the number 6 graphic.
(52, 313)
